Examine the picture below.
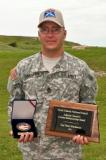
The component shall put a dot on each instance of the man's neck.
(52, 54)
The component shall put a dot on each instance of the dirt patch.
(78, 47)
(100, 73)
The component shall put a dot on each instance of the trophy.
(22, 117)
(66, 119)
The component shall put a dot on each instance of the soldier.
(51, 74)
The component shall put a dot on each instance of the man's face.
(51, 36)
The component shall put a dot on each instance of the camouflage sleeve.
(89, 87)
(14, 88)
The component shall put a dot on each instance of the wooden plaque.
(66, 119)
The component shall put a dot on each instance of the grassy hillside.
(94, 56)
(13, 49)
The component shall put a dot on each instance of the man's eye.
(56, 30)
(44, 30)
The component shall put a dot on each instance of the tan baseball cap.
(52, 15)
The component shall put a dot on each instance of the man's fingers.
(21, 139)
(85, 140)
(76, 139)
(26, 137)
(79, 139)
(31, 136)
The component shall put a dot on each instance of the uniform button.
(49, 90)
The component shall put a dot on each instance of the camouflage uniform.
(70, 79)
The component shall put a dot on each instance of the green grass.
(9, 56)
(98, 151)
(94, 56)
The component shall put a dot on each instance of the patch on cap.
(49, 13)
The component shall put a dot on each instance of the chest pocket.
(32, 86)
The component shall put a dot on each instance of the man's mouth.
(51, 41)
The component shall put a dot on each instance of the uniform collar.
(62, 65)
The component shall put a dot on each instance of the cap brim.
(49, 20)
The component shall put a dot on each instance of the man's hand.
(26, 137)
(80, 139)
(13, 73)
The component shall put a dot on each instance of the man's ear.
(65, 34)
